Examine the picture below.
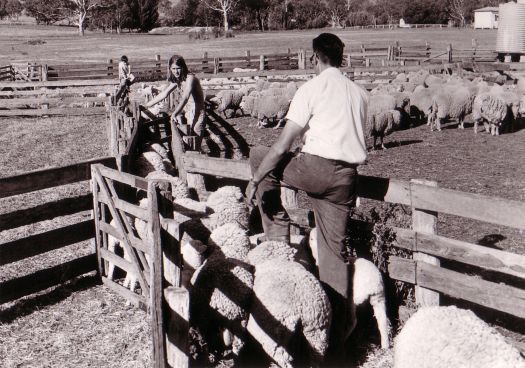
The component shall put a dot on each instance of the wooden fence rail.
(36, 244)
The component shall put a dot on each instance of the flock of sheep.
(409, 99)
(270, 291)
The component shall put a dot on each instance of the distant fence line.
(155, 68)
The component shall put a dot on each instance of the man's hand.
(250, 193)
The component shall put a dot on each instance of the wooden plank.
(83, 83)
(49, 178)
(49, 100)
(460, 251)
(177, 338)
(134, 241)
(501, 297)
(129, 179)
(47, 211)
(425, 222)
(53, 93)
(226, 168)
(402, 269)
(127, 207)
(55, 111)
(494, 210)
(33, 245)
(384, 189)
(137, 300)
(157, 285)
(118, 261)
(22, 286)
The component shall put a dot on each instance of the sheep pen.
(458, 159)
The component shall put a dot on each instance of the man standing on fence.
(328, 113)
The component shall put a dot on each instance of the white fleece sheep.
(270, 109)
(289, 300)
(227, 205)
(381, 124)
(227, 100)
(151, 160)
(367, 285)
(421, 103)
(232, 240)
(221, 296)
(451, 337)
(451, 102)
(491, 110)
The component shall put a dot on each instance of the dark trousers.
(331, 186)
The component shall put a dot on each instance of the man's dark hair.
(124, 58)
(329, 49)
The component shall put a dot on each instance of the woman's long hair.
(179, 61)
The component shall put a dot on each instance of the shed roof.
(488, 9)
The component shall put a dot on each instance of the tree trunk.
(81, 18)
(226, 25)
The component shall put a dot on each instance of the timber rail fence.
(155, 68)
(36, 244)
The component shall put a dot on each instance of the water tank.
(511, 28)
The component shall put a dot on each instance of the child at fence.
(191, 97)
(125, 79)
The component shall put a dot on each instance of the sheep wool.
(451, 337)
(289, 300)
(227, 204)
(179, 189)
(490, 109)
(271, 250)
(220, 299)
(232, 241)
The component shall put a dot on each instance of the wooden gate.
(150, 239)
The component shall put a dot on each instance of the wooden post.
(367, 62)
(216, 65)
(248, 58)
(205, 61)
(348, 60)
(261, 62)
(425, 222)
(157, 318)
(44, 73)
(301, 59)
(178, 300)
(449, 53)
(289, 199)
(110, 67)
(196, 183)
(158, 70)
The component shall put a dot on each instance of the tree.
(457, 10)
(337, 12)
(222, 6)
(46, 11)
(80, 9)
(143, 14)
(13, 8)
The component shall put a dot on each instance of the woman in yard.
(191, 97)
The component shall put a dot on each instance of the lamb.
(150, 160)
(452, 337)
(227, 100)
(247, 104)
(283, 307)
(381, 124)
(367, 286)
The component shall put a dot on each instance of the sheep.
(367, 285)
(289, 300)
(452, 102)
(227, 99)
(247, 104)
(383, 123)
(232, 240)
(227, 204)
(150, 160)
(452, 337)
(490, 109)
(221, 296)
(270, 108)
(421, 103)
